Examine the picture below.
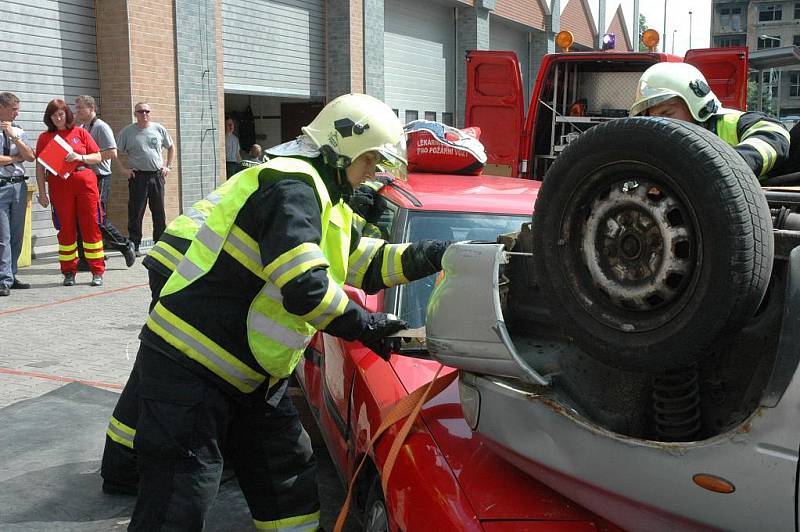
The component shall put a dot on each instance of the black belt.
(147, 171)
(11, 180)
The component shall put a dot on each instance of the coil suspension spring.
(676, 404)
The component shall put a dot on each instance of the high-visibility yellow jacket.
(241, 318)
(760, 140)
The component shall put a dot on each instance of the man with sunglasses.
(142, 143)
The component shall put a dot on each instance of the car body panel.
(480, 194)
(445, 476)
(640, 484)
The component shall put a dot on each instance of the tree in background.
(766, 97)
(642, 27)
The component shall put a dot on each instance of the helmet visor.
(393, 155)
(650, 96)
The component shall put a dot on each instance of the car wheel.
(652, 239)
(376, 518)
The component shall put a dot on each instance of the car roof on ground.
(443, 192)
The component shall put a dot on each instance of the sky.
(677, 19)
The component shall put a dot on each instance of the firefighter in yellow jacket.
(261, 276)
(119, 469)
(679, 90)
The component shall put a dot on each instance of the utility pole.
(690, 30)
(664, 33)
(673, 41)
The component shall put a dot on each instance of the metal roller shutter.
(49, 51)
(504, 36)
(274, 47)
(419, 54)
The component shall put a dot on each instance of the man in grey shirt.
(13, 192)
(233, 156)
(86, 115)
(142, 143)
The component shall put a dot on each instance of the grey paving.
(53, 334)
(65, 352)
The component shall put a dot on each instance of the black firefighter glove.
(434, 251)
(368, 203)
(379, 327)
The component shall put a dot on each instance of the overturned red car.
(445, 477)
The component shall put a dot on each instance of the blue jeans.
(13, 203)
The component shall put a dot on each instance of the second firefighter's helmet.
(354, 124)
(664, 81)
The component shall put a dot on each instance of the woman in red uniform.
(76, 200)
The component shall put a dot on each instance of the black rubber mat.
(50, 450)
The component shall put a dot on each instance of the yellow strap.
(410, 406)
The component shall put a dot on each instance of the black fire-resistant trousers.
(183, 418)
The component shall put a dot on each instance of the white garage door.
(274, 47)
(49, 51)
(504, 36)
(419, 55)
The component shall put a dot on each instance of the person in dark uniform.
(680, 91)
(261, 276)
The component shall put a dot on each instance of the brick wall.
(356, 45)
(619, 28)
(472, 33)
(139, 35)
(577, 18)
(115, 92)
(337, 20)
(528, 12)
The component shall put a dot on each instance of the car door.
(495, 103)
(339, 361)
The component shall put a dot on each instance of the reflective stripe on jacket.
(276, 338)
(759, 139)
(169, 249)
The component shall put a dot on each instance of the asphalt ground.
(65, 354)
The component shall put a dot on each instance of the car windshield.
(453, 226)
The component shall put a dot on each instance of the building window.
(794, 84)
(727, 42)
(730, 18)
(769, 12)
(411, 116)
(447, 118)
(796, 40)
(430, 115)
(797, 11)
(769, 41)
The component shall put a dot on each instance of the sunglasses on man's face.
(143, 111)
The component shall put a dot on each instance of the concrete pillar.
(344, 22)
(200, 127)
(373, 48)
(472, 33)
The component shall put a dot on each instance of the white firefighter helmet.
(354, 124)
(664, 81)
